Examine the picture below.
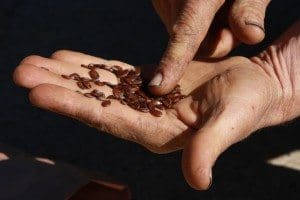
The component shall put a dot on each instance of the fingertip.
(246, 20)
(166, 78)
(197, 163)
(25, 75)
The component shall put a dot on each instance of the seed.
(87, 84)
(65, 76)
(97, 93)
(80, 85)
(74, 76)
(118, 93)
(99, 83)
(155, 112)
(122, 73)
(94, 74)
(105, 103)
(89, 95)
(128, 91)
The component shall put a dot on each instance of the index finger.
(187, 34)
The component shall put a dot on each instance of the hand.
(228, 100)
(217, 25)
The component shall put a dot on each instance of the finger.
(218, 45)
(226, 127)
(30, 76)
(78, 58)
(167, 11)
(66, 102)
(246, 19)
(187, 34)
(61, 67)
(117, 119)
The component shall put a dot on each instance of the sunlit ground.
(289, 160)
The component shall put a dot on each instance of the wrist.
(281, 63)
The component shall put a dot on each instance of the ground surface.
(129, 31)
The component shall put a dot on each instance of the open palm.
(227, 100)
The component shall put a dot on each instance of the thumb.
(246, 18)
(186, 35)
(203, 148)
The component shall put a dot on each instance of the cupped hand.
(205, 28)
(227, 100)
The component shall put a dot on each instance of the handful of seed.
(128, 91)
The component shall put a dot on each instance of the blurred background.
(132, 32)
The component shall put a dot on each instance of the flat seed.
(105, 103)
(155, 112)
(74, 76)
(87, 84)
(65, 76)
(94, 74)
(89, 95)
(99, 83)
(111, 97)
(80, 85)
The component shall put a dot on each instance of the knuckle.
(59, 54)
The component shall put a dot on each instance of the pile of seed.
(128, 91)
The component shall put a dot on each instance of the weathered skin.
(204, 28)
(228, 100)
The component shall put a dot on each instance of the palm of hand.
(235, 88)
(226, 102)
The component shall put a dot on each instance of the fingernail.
(210, 183)
(156, 81)
(255, 23)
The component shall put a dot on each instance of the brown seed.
(100, 66)
(160, 107)
(122, 73)
(89, 95)
(110, 97)
(65, 76)
(80, 85)
(129, 91)
(74, 76)
(118, 93)
(94, 74)
(155, 112)
(105, 103)
(87, 84)
(97, 93)
(99, 83)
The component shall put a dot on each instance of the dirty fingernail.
(156, 81)
(256, 24)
